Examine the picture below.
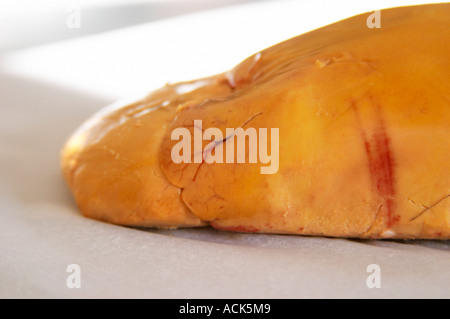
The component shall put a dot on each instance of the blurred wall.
(25, 23)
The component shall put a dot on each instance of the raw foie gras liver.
(363, 117)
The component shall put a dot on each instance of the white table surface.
(46, 92)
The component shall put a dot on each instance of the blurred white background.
(25, 23)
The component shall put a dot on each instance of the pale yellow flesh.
(364, 125)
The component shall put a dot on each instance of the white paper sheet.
(45, 93)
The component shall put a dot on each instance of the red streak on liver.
(381, 171)
(381, 165)
(239, 228)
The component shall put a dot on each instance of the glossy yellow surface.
(364, 138)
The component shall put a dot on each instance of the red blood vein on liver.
(380, 161)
